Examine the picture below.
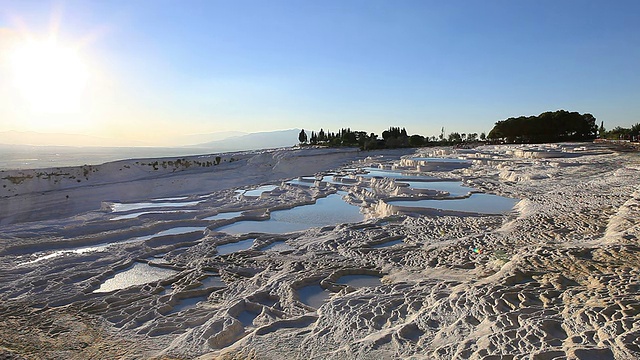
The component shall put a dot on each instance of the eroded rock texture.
(556, 278)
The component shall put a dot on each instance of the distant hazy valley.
(24, 150)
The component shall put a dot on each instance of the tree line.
(550, 126)
(394, 137)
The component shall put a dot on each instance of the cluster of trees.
(620, 133)
(344, 137)
(394, 137)
(549, 126)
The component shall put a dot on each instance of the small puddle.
(309, 182)
(212, 281)
(247, 317)
(360, 280)
(331, 210)
(313, 295)
(441, 160)
(487, 204)
(234, 247)
(137, 274)
(387, 244)
(135, 215)
(331, 180)
(454, 188)
(260, 190)
(277, 246)
(173, 231)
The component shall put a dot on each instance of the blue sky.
(182, 67)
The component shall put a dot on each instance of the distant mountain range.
(190, 140)
(222, 141)
(259, 140)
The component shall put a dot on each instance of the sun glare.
(50, 77)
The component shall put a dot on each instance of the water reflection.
(135, 215)
(360, 280)
(137, 274)
(234, 247)
(277, 246)
(454, 188)
(441, 160)
(476, 203)
(313, 295)
(260, 190)
(387, 244)
(331, 210)
(247, 317)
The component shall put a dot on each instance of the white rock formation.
(557, 278)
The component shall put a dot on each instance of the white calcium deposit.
(556, 277)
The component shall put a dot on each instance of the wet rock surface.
(558, 277)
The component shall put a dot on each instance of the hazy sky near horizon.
(144, 70)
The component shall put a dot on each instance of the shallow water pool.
(441, 160)
(477, 203)
(331, 210)
(173, 231)
(135, 215)
(212, 281)
(313, 295)
(137, 274)
(234, 247)
(387, 244)
(454, 188)
(277, 246)
(260, 190)
(247, 317)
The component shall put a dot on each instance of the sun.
(50, 77)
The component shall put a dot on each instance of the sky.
(149, 71)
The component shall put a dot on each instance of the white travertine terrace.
(556, 277)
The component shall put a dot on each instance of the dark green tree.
(322, 136)
(455, 137)
(416, 140)
(302, 137)
(635, 130)
(554, 126)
